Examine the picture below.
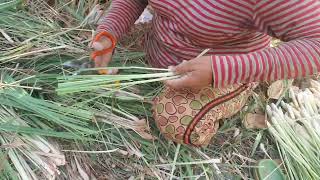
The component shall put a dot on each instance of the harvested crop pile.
(295, 126)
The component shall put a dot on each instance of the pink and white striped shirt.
(238, 32)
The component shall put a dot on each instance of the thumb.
(101, 44)
(97, 46)
(183, 68)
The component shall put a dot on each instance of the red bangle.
(107, 50)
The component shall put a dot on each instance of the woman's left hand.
(195, 74)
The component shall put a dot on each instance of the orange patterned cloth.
(192, 117)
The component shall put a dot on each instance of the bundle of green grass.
(295, 126)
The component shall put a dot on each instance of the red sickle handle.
(107, 50)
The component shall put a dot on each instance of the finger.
(105, 59)
(97, 61)
(184, 67)
(113, 71)
(180, 83)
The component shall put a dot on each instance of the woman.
(238, 34)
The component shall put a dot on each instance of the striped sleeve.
(121, 16)
(297, 24)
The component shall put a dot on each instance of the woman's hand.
(195, 74)
(103, 44)
(103, 60)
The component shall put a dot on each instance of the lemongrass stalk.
(311, 98)
(27, 168)
(13, 57)
(66, 88)
(106, 81)
(32, 153)
(144, 81)
(277, 111)
(303, 133)
(116, 120)
(56, 159)
(304, 112)
(91, 152)
(283, 138)
(317, 102)
(37, 143)
(9, 5)
(19, 49)
(209, 161)
(40, 163)
(126, 114)
(138, 126)
(300, 99)
(290, 120)
(53, 147)
(314, 91)
(19, 86)
(288, 142)
(17, 162)
(125, 94)
(296, 112)
(307, 103)
(281, 120)
(290, 110)
(315, 84)
(310, 109)
(98, 78)
(6, 36)
(316, 95)
(293, 97)
(126, 68)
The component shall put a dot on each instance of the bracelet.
(107, 50)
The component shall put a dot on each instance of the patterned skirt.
(192, 117)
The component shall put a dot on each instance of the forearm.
(298, 58)
(121, 16)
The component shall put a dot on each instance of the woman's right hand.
(103, 45)
(103, 60)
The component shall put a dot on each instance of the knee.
(192, 117)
